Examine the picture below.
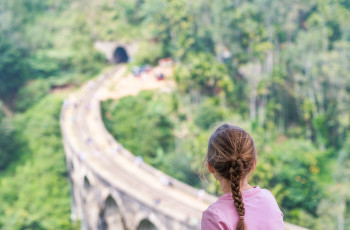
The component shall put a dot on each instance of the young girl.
(231, 156)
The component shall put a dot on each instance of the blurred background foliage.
(279, 69)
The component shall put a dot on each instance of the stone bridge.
(110, 187)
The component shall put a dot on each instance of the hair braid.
(232, 153)
(235, 178)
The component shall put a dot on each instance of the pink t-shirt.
(261, 212)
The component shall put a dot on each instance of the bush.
(2, 113)
(201, 71)
(148, 53)
(293, 169)
(7, 143)
(12, 68)
(142, 123)
(31, 94)
(208, 114)
(7, 140)
(34, 193)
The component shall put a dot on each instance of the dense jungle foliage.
(280, 69)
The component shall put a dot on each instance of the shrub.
(31, 94)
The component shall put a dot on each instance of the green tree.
(296, 173)
(12, 68)
(201, 72)
(31, 94)
(8, 143)
(142, 124)
(34, 193)
(171, 24)
(208, 114)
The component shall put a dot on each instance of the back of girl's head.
(231, 146)
(231, 151)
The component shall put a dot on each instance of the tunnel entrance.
(145, 224)
(120, 55)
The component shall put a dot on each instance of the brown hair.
(231, 151)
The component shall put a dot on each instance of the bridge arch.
(89, 180)
(89, 193)
(87, 185)
(70, 165)
(110, 216)
(90, 203)
(146, 224)
(148, 221)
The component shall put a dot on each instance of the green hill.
(278, 68)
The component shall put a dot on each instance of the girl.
(231, 156)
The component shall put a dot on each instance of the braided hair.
(231, 151)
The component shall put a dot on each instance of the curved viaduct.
(110, 187)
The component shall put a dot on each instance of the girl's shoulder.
(222, 208)
(269, 202)
(219, 215)
(267, 194)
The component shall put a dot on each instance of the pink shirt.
(261, 212)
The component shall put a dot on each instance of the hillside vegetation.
(277, 68)
(280, 69)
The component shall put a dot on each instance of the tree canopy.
(279, 68)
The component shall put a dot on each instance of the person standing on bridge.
(231, 156)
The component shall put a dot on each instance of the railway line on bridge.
(87, 143)
(111, 189)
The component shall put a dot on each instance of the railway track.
(87, 136)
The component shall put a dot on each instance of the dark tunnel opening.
(120, 55)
